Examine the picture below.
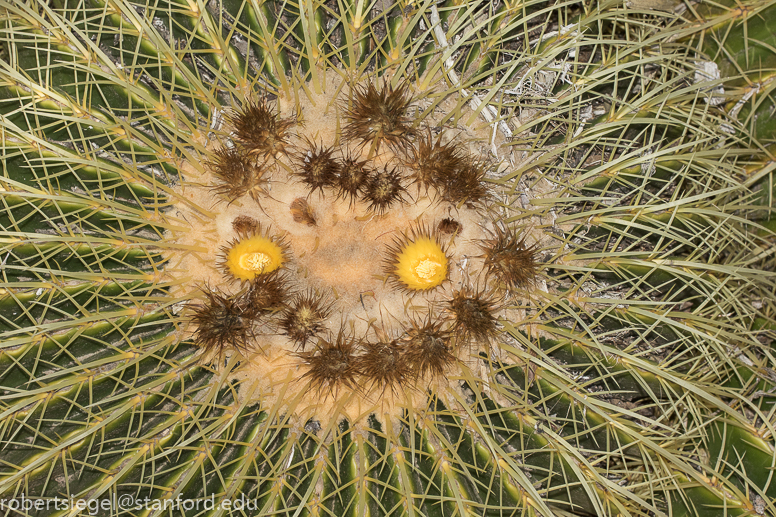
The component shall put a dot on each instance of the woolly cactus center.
(344, 260)
(368, 258)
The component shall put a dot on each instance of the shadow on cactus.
(395, 259)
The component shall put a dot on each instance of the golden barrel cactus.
(387, 258)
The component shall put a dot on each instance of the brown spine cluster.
(383, 363)
(259, 130)
(376, 116)
(317, 167)
(426, 348)
(353, 178)
(244, 225)
(510, 259)
(237, 172)
(260, 135)
(383, 189)
(380, 115)
(222, 323)
(373, 116)
(267, 294)
(333, 363)
(305, 317)
(473, 314)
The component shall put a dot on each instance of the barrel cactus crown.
(389, 258)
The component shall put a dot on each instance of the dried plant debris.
(245, 226)
(449, 226)
(302, 212)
